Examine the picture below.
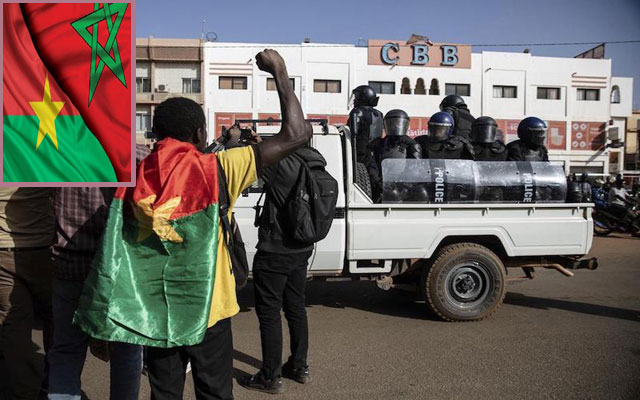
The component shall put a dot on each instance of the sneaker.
(300, 375)
(259, 383)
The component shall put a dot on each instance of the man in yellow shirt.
(183, 120)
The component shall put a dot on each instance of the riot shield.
(464, 181)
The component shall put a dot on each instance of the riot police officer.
(365, 122)
(396, 144)
(483, 139)
(530, 144)
(440, 143)
(462, 118)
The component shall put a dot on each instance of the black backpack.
(310, 207)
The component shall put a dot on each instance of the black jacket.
(519, 151)
(279, 181)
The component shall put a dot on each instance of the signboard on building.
(398, 52)
(228, 119)
(418, 126)
(587, 135)
(557, 135)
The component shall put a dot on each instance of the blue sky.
(461, 21)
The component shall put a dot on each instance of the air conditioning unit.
(614, 134)
(162, 88)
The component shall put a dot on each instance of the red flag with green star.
(66, 92)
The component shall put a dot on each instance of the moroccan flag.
(66, 92)
(152, 278)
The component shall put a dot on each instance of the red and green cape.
(152, 278)
(66, 102)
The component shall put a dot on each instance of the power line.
(220, 45)
(552, 44)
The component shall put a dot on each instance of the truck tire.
(363, 180)
(465, 282)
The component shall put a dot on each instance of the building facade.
(165, 68)
(585, 106)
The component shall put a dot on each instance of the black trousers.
(279, 283)
(211, 366)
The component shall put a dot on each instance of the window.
(271, 84)
(615, 95)
(420, 89)
(383, 87)
(327, 86)
(233, 82)
(461, 89)
(190, 85)
(434, 89)
(143, 85)
(588, 94)
(549, 93)
(406, 86)
(505, 92)
(143, 122)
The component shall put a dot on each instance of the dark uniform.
(530, 145)
(456, 107)
(485, 145)
(365, 122)
(394, 145)
(440, 144)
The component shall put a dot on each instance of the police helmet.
(440, 126)
(483, 130)
(532, 130)
(396, 123)
(452, 100)
(364, 95)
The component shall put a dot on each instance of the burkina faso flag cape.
(152, 278)
(66, 92)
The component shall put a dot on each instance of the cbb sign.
(385, 52)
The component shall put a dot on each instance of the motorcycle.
(605, 222)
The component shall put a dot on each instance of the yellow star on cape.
(47, 111)
(156, 220)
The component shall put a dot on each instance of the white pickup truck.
(460, 255)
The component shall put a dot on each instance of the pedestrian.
(81, 218)
(26, 233)
(279, 278)
(163, 277)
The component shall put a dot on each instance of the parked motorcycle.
(605, 222)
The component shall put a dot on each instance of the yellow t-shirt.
(239, 165)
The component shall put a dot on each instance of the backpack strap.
(223, 206)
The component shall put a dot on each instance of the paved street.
(555, 337)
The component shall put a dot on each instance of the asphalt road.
(554, 337)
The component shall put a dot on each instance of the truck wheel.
(465, 282)
(363, 180)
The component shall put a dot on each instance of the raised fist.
(270, 61)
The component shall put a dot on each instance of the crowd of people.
(453, 133)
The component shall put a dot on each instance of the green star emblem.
(97, 51)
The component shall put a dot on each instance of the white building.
(579, 98)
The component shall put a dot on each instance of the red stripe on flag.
(24, 73)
